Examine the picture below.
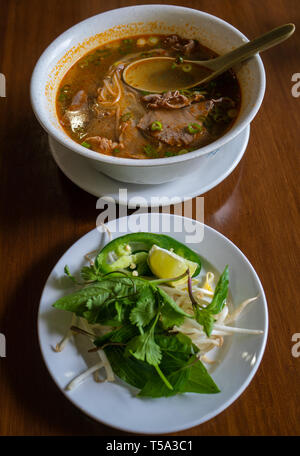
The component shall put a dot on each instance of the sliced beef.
(170, 100)
(103, 123)
(77, 114)
(175, 125)
(130, 144)
(182, 45)
(79, 101)
(103, 145)
(132, 140)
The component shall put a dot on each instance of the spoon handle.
(247, 50)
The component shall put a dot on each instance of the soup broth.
(98, 110)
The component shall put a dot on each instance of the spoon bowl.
(159, 74)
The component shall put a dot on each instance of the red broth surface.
(98, 110)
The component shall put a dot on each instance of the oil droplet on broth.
(160, 75)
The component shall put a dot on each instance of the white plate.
(114, 403)
(217, 166)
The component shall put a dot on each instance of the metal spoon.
(158, 74)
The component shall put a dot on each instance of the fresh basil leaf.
(176, 350)
(205, 316)
(130, 370)
(171, 313)
(199, 381)
(76, 302)
(220, 294)
(89, 301)
(178, 343)
(155, 387)
(120, 335)
(191, 377)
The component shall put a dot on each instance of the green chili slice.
(186, 68)
(134, 248)
(156, 126)
(86, 144)
(194, 128)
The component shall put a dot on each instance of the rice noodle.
(108, 88)
(111, 88)
(117, 120)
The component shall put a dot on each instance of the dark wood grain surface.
(43, 213)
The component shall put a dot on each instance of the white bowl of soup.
(81, 100)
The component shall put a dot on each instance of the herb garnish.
(141, 350)
(205, 315)
(150, 151)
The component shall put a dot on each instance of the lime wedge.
(166, 264)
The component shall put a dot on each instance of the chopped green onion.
(186, 68)
(150, 151)
(156, 126)
(126, 46)
(179, 59)
(194, 128)
(126, 116)
(64, 92)
(116, 150)
(62, 96)
(174, 65)
(169, 153)
(104, 52)
(153, 40)
(86, 144)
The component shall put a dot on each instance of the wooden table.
(43, 213)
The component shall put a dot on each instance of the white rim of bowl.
(62, 137)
